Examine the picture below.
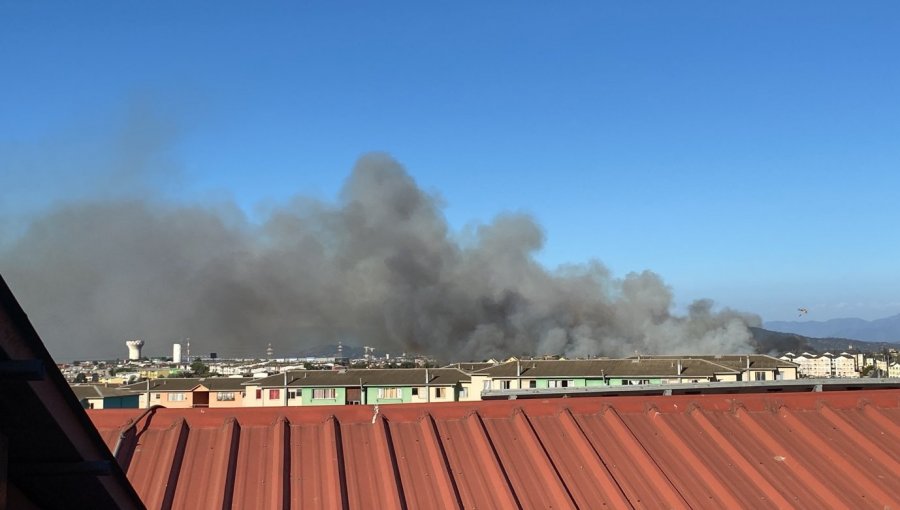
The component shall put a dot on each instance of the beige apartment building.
(824, 366)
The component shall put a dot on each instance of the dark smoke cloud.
(379, 267)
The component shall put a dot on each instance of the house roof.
(800, 450)
(86, 391)
(472, 366)
(51, 456)
(366, 377)
(738, 361)
(188, 384)
(165, 384)
(608, 368)
(224, 383)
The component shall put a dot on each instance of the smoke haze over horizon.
(379, 266)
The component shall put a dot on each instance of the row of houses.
(458, 382)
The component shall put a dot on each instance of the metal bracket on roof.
(132, 425)
(22, 370)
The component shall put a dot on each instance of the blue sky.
(745, 151)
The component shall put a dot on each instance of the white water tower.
(176, 353)
(134, 349)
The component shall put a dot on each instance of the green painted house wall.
(372, 395)
(340, 397)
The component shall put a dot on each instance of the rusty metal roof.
(802, 450)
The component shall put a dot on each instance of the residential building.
(887, 368)
(752, 367)
(190, 392)
(358, 386)
(826, 365)
(602, 372)
(93, 396)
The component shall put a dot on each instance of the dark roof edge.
(57, 397)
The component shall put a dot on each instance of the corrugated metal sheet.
(802, 450)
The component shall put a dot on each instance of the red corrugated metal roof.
(801, 450)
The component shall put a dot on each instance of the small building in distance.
(94, 396)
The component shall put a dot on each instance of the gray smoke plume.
(379, 267)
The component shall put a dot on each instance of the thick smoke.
(379, 267)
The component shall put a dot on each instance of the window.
(464, 393)
(389, 393)
(323, 393)
(156, 396)
(258, 394)
(176, 397)
(274, 394)
(415, 392)
(439, 393)
(532, 384)
(292, 395)
(505, 385)
(486, 386)
(561, 383)
(223, 396)
(759, 376)
(632, 382)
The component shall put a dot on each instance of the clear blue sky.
(746, 151)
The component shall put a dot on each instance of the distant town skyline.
(744, 153)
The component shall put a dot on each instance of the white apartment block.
(823, 366)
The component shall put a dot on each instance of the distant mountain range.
(777, 343)
(880, 330)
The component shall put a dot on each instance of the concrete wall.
(474, 388)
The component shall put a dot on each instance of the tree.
(199, 368)
(80, 378)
